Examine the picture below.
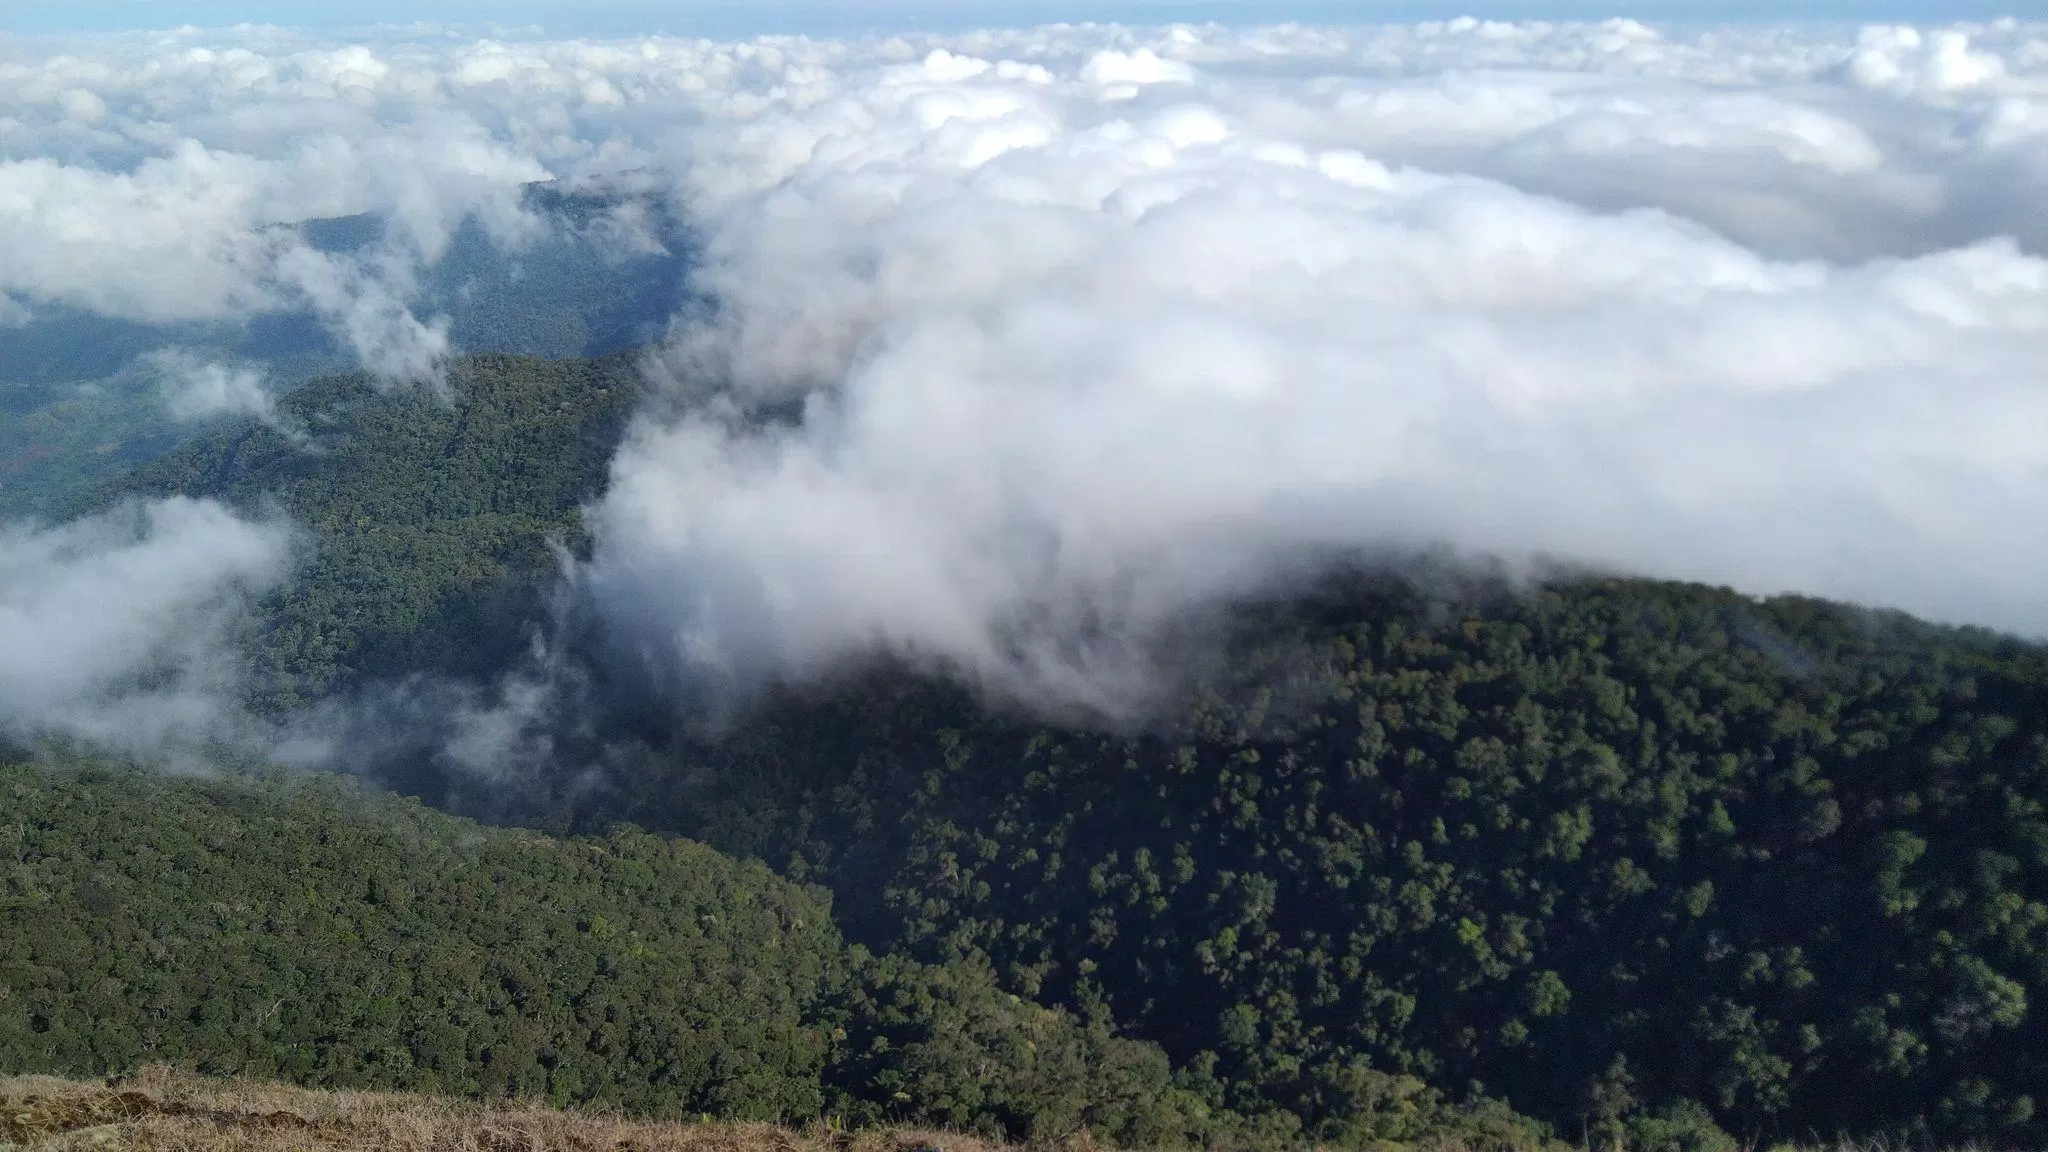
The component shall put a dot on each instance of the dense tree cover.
(605, 278)
(308, 932)
(431, 515)
(1647, 861)
(1625, 854)
(602, 275)
(302, 929)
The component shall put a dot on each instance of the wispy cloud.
(1089, 326)
(120, 629)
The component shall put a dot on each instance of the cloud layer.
(196, 388)
(1010, 347)
(1084, 329)
(119, 629)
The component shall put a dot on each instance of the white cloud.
(195, 388)
(365, 302)
(148, 244)
(1023, 341)
(116, 629)
(1905, 59)
(153, 178)
(1066, 369)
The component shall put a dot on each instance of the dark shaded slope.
(1613, 850)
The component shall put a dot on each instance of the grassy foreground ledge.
(165, 1110)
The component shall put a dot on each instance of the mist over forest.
(1461, 580)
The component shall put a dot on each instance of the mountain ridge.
(1644, 860)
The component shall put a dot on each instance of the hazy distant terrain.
(84, 401)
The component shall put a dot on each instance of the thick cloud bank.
(1008, 347)
(156, 179)
(118, 629)
(1086, 327)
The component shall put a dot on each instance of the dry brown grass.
(164, 1110)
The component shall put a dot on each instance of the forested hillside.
(1645, 861)
(310, 932)
(431, 517)
(305, 930)
(1609, 850)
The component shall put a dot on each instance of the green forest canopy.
(303, 929)
(432, 517)
(1638, 859)
(1606, 850)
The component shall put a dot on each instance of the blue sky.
(822, 17)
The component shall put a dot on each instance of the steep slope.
(302, 929)
(1611, 850)
(431, 517)
(307, 931)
